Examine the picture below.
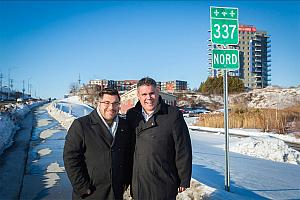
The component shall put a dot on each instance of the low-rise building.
(129, 99)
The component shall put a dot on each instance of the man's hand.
(88, 192)
(181, 189)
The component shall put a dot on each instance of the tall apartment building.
(255, 57)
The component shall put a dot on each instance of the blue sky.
(50, 43)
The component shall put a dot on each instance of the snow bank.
(269, 97)
(7, 129)
(267, 148)
(260, 144)
(75, 100)
(197, 191)
(65, 119)
(10, 119)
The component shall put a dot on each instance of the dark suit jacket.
(94, 160)
(163, 153)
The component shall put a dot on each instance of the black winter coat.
(94, 160)
(163, 153)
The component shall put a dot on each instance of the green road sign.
(224, 25)
(225, 59)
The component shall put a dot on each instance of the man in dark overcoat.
(162, 164)
(97, 151)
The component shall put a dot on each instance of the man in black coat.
(97, 151)
(162, 164)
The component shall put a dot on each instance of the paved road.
(33, 168)
(45, 177)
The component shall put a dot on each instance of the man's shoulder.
(132, 111)
(83, 120)
(171, 109)
(123, 121)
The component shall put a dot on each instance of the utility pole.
(79, 80)
(11, 84)
(28, 86)
(1, 76)
(8, 84)
(23, 90)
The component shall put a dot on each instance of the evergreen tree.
(215, 85)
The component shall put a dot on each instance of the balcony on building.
(268, 40)
(257, 55)
(258, 65)
(257, 60)
(257, 70)
(257, 39)
(269, 60)
(256, 49)
(257, 45)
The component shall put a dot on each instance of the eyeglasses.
(107, 103)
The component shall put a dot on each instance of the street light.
(28, 88)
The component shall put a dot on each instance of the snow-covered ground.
(252, 177)
(66, 110)
(10, 119)
(269, 97)
(258, 144)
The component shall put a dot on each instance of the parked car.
(190, 112)
(19, 100)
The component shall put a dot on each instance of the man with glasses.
(97, 151)
(162, 164)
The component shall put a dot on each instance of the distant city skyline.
(48, 44)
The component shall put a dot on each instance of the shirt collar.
(145, 115)
(114, 126)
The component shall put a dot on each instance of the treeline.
(215, 85)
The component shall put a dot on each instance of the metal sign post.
(224, 31)
(227, 174)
